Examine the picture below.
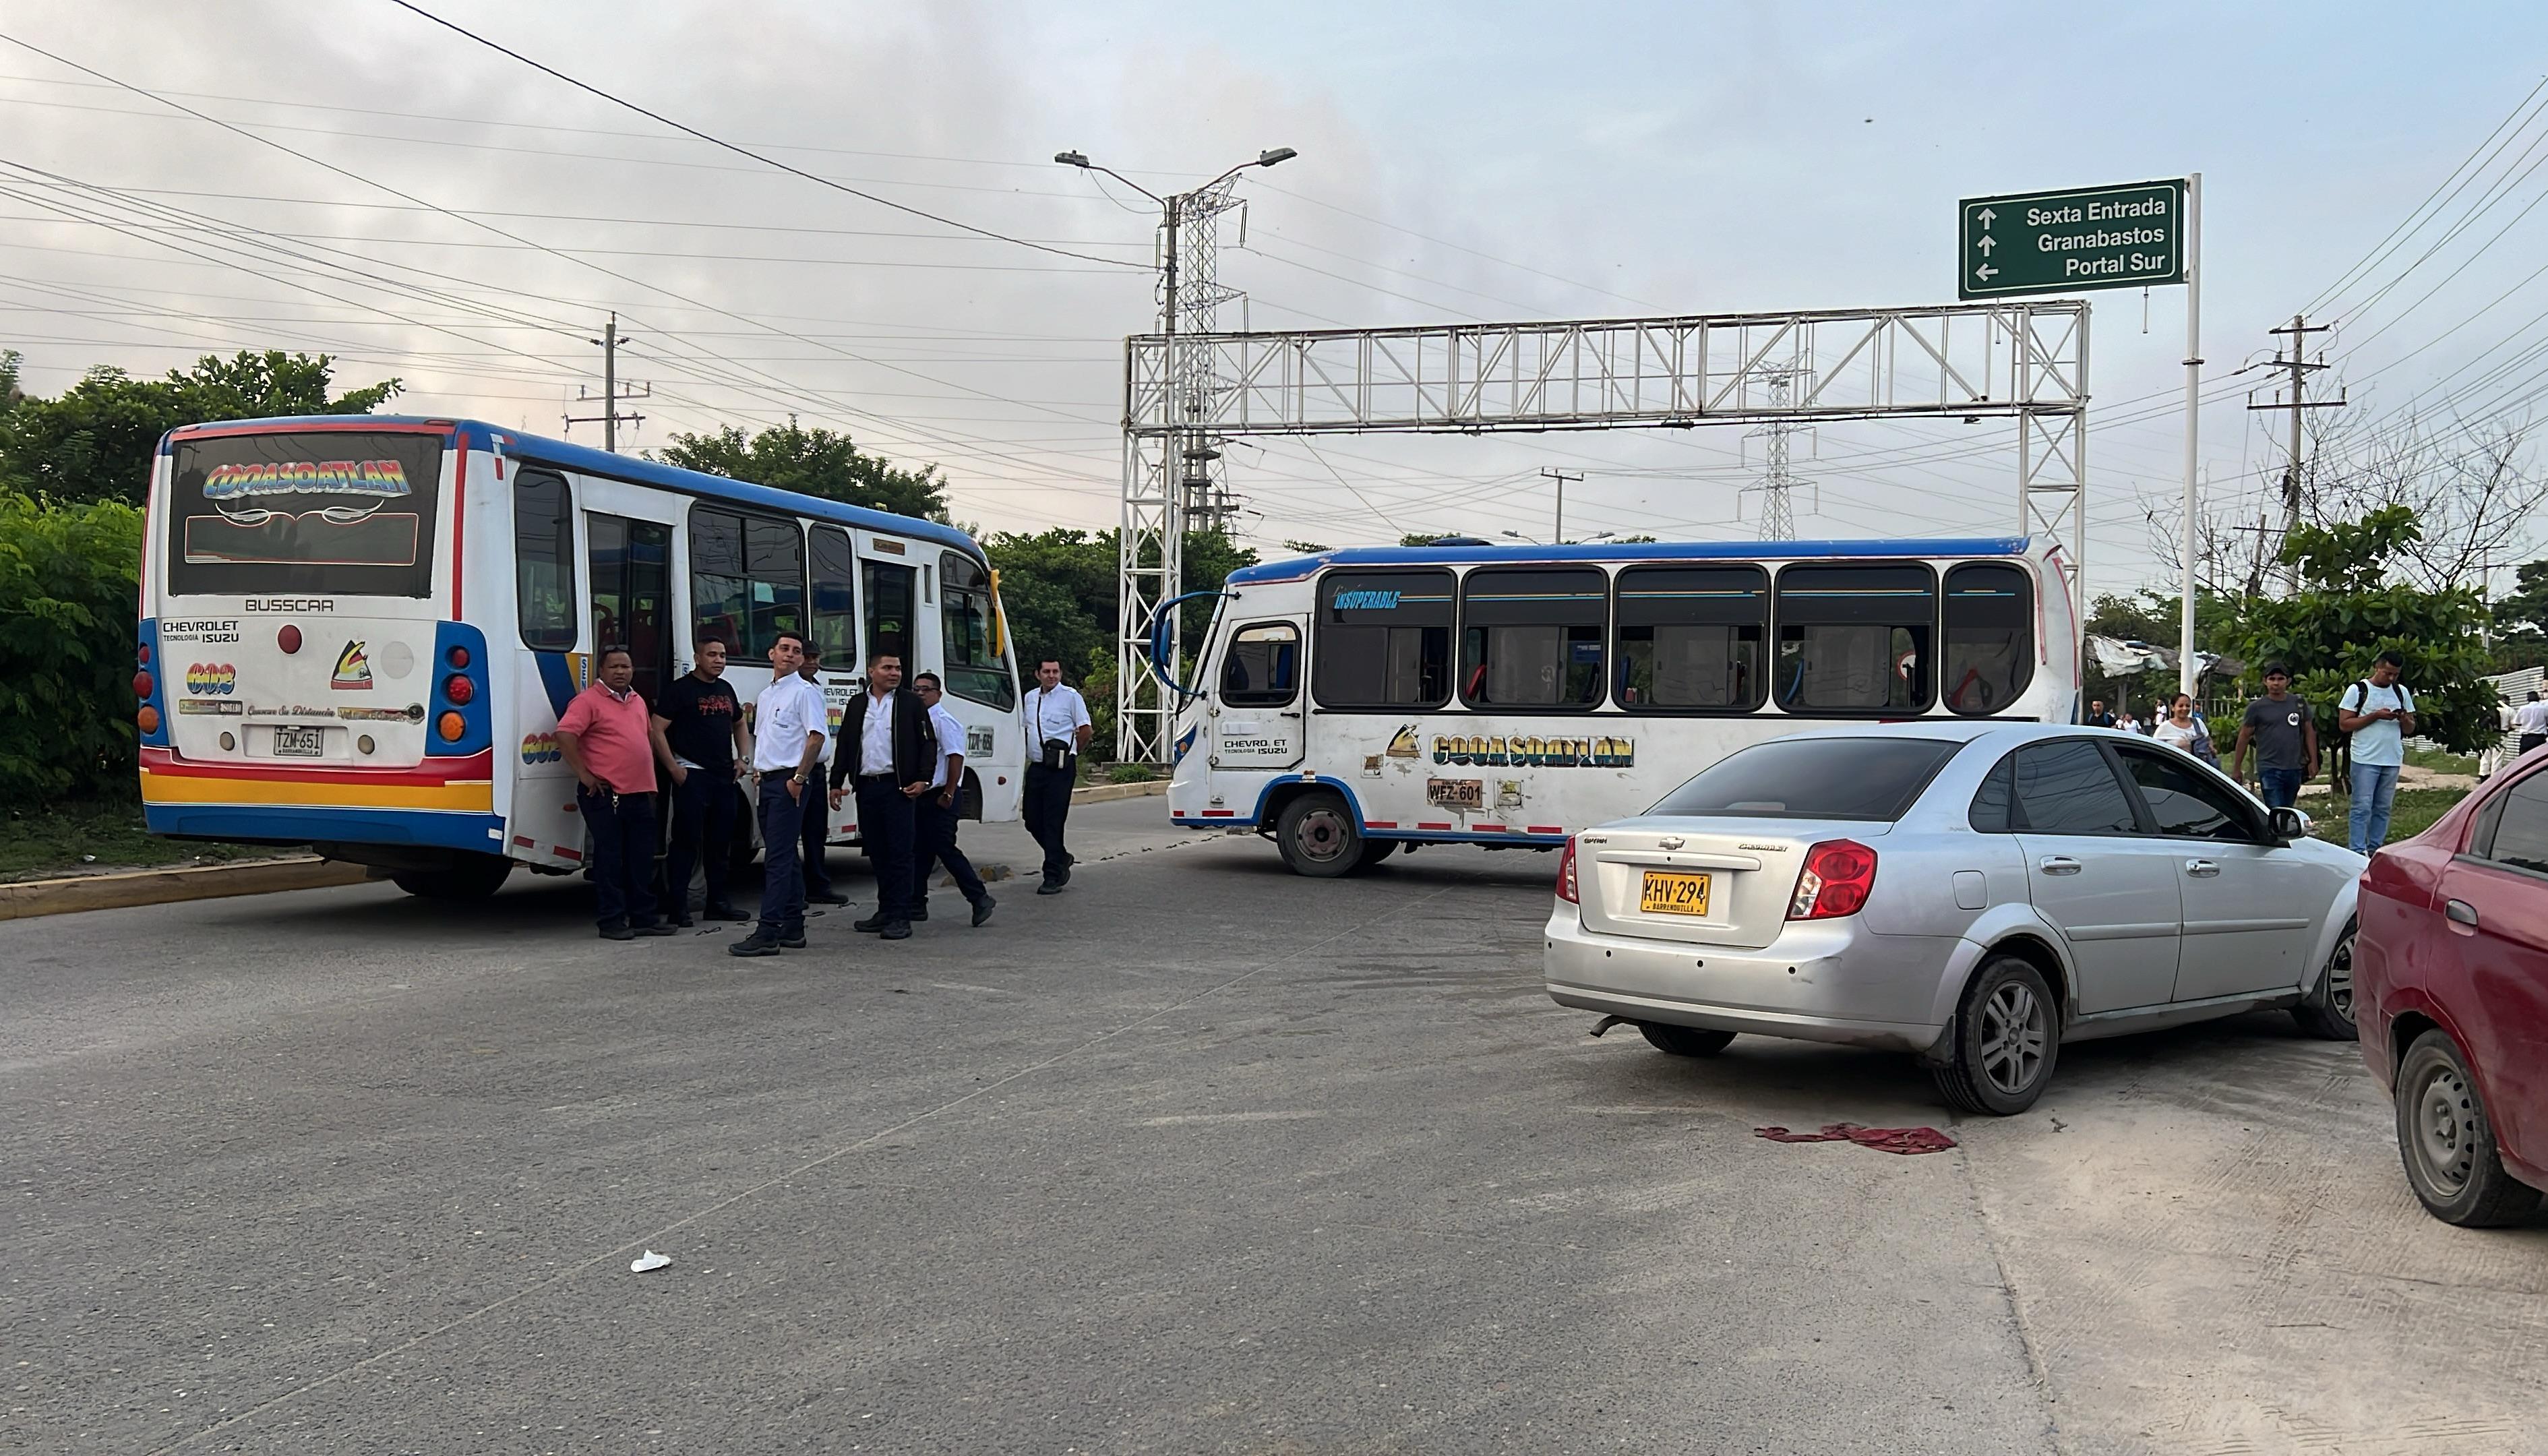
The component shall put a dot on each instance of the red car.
(2450, 984)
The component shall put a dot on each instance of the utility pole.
(612, 395)
(1557, 537)
(2299, 329)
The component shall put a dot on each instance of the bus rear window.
(314, 512)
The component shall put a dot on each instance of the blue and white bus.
(357, 633)
(1363, 701)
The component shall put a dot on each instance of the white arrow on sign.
(1986, 242)
(1987, 214)
(1984, 272)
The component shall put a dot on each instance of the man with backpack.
(2376, 714)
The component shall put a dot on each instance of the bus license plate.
(1671, 892)
(296, 743)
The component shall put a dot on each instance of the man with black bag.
(884, 751)
(940, 809)
(1058, 733)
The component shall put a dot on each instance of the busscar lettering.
(289, 604)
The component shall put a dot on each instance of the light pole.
(1135, 677)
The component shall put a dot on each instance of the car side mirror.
(2290, 824)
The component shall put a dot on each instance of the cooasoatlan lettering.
(1537, 753)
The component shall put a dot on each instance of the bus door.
(631, 565)
(890, 592)
(1256, 717)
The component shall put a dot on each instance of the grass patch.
(73, 839)
(2409, 814)
(1131, 773)
(2442, 762)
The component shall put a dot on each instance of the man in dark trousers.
(1057, 732)
(884, 752)
(610, 741)
(935, 809)
(786, 748)
(698, 726)
(817, 832)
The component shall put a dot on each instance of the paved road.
(1198, 1156)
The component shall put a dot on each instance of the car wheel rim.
(2339, 979)
(1321, 836)
(2445, 1134)
(2013, 1039)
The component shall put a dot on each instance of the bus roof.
(1628, 551)
(584, 460)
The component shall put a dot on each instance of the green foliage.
(2348, 611)
(2524, 610)
(67, 579)
(94, 442)
(813, 462)
(1306, 548)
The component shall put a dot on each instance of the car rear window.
(1866, 777)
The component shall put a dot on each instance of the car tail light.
(1838, 874)
(289, 639)
(457, 688)
(142, 685)
(1567, 888)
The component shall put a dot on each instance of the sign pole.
(2185, 666)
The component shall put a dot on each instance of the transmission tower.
(1194, 294)
(1777, 483)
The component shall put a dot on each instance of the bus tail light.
(459, 688)
(458, 657)
(142, 685)
(451, 726)
(1838, 877)
(147, 719)
(289, 639)
(1567, 888)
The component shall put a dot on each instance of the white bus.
(1363, 701)
(357, 633)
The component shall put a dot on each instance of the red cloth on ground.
(1904, 1140)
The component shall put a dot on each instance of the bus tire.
(473, 879)
(1317, 836)
(1373, 851)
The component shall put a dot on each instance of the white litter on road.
(648, 1260)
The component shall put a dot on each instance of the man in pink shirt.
(609, 740)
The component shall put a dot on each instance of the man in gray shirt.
(2284, 733)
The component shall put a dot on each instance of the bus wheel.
(1318, 837)
(473, 879)
(1373, 851)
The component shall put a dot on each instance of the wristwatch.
(797, 778)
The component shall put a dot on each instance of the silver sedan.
(1975, 893)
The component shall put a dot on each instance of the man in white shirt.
(934, 809)
(1057, 732)
(787, 743)
(2379, 714)
(815, 837)
(2530, 720)
(884, 751)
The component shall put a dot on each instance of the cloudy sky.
(362, 182)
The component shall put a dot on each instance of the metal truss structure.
(2026, 360)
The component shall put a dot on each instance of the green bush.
(68, 588)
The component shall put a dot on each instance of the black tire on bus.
(474, 877)
(1317, 836)
(1373, 851)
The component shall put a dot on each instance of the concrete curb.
(1098, 793)
(30, 898)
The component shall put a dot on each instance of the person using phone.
(2375, 716)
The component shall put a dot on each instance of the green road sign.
(2128, 236)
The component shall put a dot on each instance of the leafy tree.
(2350, 608)
(2525, 609)
(813, 462)
(1306, 548)
(66, 705)
(94, 442)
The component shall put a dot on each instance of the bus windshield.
(315, 511)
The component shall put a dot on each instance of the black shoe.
(722, 912)
(659, 928)
(895, 930)
(795, 942)
(871, 924)
(983, 907)
(827, 897)
(681, 921)
(1069, 859)
(617, 933)
(754, 943)
(919, 912)
(1049, 887)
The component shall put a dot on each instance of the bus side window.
(1855, 639)
(1533, 637)
(1990, 636)
(971, 668)
(836, 613)
(1691, 638)
(747, 579)
(544, 561)
(1384, 639)
(1262, 667)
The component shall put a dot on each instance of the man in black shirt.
(700, 720)
(2098, 717)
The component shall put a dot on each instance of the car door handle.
(2057, 865)
(2203, 868)
(2461, 911)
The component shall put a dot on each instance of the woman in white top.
(2180, 728)
(2125, 722)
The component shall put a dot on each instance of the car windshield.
(1859, 777)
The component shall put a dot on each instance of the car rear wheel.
(1318, 837)
(1685, 1040)
(2329, 1010)
(2006, 1038)
(2448, 1143)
